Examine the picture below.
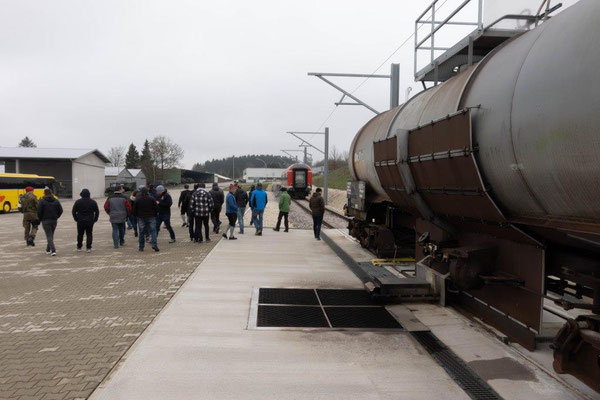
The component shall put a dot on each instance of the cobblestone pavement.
(65, 321)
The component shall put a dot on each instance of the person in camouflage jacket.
(31, 222)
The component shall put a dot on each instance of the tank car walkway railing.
(472, 48)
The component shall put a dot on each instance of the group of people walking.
(148, 208)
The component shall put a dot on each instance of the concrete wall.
(88, 172)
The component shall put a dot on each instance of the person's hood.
(85, 193)
(215, 186)
(49, 199)
(315, 194)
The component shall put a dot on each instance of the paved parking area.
(65, 321)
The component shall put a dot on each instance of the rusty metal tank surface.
(537, 128)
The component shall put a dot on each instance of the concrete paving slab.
(200, 347)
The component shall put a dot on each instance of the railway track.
(332, 219)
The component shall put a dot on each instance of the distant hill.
(224, 166)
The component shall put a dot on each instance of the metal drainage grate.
(343, 297)
(464, 376)
(291, 316)
(318, 308)
(361, 317)
(305, 297)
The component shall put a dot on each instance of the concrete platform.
(199, 346)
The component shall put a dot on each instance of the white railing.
(428, 42)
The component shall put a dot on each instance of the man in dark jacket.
(241, 198)
(49, 211)
(85, 213)
(317, 207)
(164, 211)
(218, 198)
(31, 222)
(202, 204)
(145, 210)
(183, 203)
(118, 208)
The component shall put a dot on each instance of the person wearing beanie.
(218, 199)
(231, 209)
(164, 211)
(85, 213)
(118, 208)
(183, 204)
(31, 222)
(49, 211)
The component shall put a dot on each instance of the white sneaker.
(88, 250)
(48, 252)
(53, 254)
(78, 249)
(172, 241)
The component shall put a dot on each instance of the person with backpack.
(284, 209)
(190, 214)
(202, 204)
(241, 197)
(317, 208)
(165, 201)
(31, 222)
(118, 208)
(183, 204)
(258, 202)
(231, 211)
(145, 210)
(49, 211)
(218, 199)
(85, 212)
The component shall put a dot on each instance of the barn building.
(138, 176)
(117, 175)
(74, 169)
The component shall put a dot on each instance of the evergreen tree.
(146, 163)
(132, 158)
(26, 142)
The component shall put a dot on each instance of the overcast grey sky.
(219, 78)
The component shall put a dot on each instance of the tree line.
(157, 156)
(226, 166)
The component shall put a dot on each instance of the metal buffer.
(325, 154)
(394, 78)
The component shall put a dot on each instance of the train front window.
(300, 179)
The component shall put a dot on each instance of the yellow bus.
(12, 186)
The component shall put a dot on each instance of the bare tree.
(116, 155)
(165, 153)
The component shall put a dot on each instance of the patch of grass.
(337, 178)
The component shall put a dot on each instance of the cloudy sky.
(219, 78)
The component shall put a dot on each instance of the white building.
(73, 169)
(260, 174)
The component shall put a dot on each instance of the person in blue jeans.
(164, 211)
(118, 208)
(258, 202)
(145, 210)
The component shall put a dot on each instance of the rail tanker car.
(492, 178)
(297, 179)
